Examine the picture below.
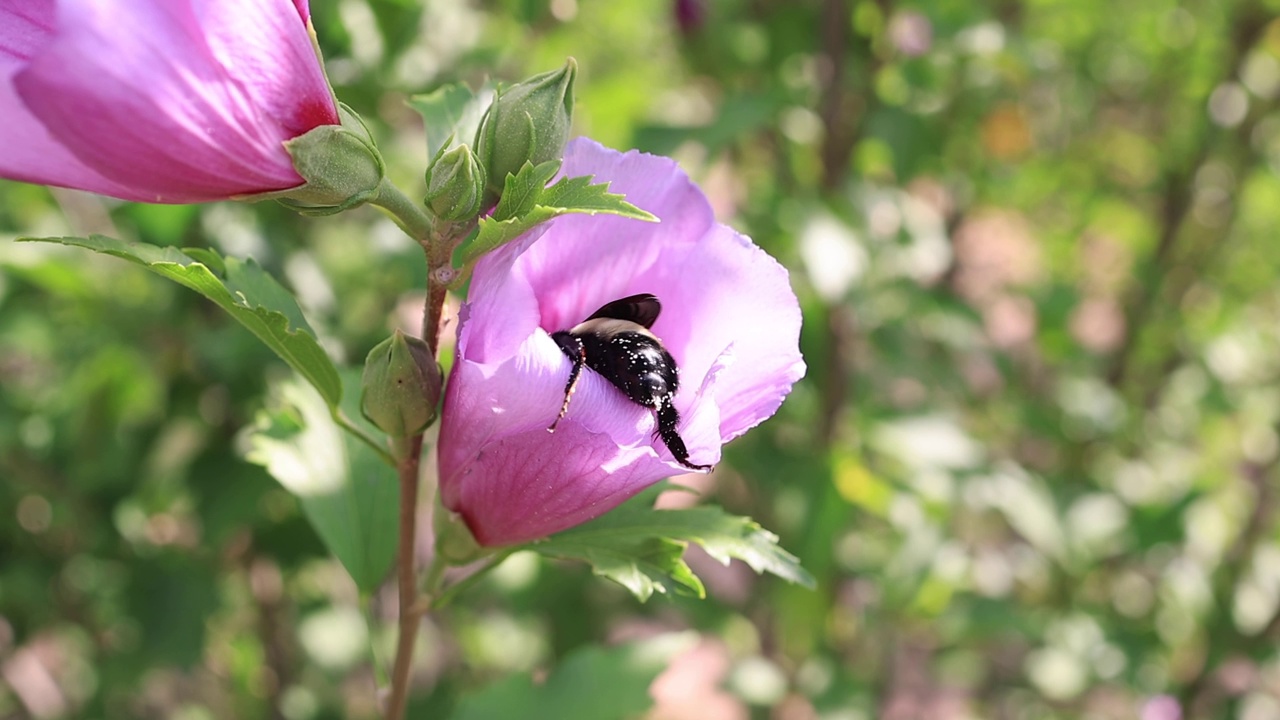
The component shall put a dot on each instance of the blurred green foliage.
(1033, 466)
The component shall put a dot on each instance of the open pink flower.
(168, 101)
(729, 318)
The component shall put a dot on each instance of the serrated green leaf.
(641, 564)
(451, 111)
(349, 495)
(246, 291)
(580, 195)
(532, 204)
(620, 545)
(591, 684)
(523, 192)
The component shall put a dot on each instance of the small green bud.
(527, 122)
(340, 163)
(455, 184)
(401, 386)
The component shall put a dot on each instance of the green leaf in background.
(641, 548)
(451, 111)
(527, 202)
(348, 493)
(591, 684)
(176, 597)
(245, 290)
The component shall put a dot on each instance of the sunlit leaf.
(641, 548)
(246, 291)
(527, 202)
(348, 493)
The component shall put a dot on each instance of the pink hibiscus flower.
(729, 319)
(165, 101)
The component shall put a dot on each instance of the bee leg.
(668, 420)
(579, 359)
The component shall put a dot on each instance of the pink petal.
(520, 490)
(29, 153)
(761, 325)
(193, 104)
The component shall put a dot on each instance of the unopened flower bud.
(401, 386)
(455, 184)
(527, 122)
(341, 164)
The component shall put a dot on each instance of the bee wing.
(642, 309)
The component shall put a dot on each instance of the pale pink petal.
(762, 325)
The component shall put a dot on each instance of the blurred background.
(1033, 464)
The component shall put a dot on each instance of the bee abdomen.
(634, 363)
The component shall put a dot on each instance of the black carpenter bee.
(615, 342)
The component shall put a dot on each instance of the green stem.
(345, 423)
(449, 593)
(437, 240)
(412, 217)
(409, 452)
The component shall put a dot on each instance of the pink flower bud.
(728, 318)
(166, 101)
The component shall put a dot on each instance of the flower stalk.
(410, 614)
(437, 238)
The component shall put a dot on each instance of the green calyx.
(340, 164)
(400, 386)
(454, 542)
(527, 122)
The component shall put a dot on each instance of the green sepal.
(340, 164)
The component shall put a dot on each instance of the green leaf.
(451, 111)
(579, 195)
(522, 192)
(176, 595)
(640, 563)
(244, 290)
(527, 203)
(641, 548)
(591, 684)
(349, 494)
